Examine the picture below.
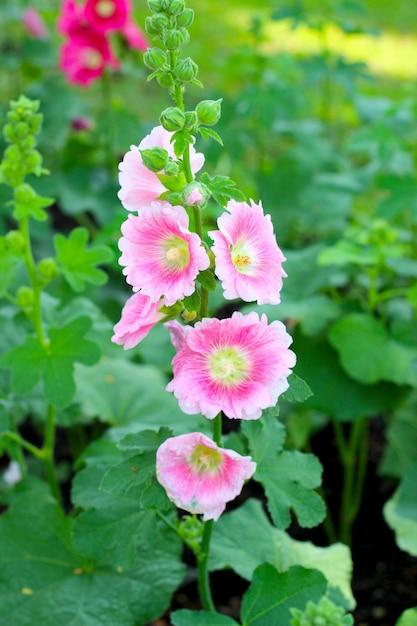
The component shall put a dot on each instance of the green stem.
(37, 289)
(217, 430)
(23, 443)
(48, 453)
(202, 563)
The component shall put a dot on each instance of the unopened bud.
(155, 24)
(175, 7)
(155, 5)
(191, 121)
(165, 79)
(171, 168)
(195, 194)
(155, 158)
(186, 69)
(185, 36)
(47, 269)
(186, 18)
(209, 111)
(154, 58)
(15, 241)
(173, 39)
(25, 298)
(172, 119)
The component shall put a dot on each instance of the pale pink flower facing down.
(237, 365)
(139, 315)
(200, 477)
(161, 257)
(247, 258)
(138, 185)
(85, 55)
(34, 23)
(107, 15)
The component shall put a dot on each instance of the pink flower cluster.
(239, 365)
(87, 50)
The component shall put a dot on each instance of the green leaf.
(268, 600)
(288, 477)
(347, 253)
(184, 617)
(222, 189)
(181, 139)
(192, 303)
(369, 354)
(79, 264)
(208, 133)
(298, 390)
(408, 618)
(207, 280)
(245, 538)
(400, 512)
(53, 363)
(45, 581)
(401, 450)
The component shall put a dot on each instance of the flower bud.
(155, 24)
(47, 269)
(171, 168)
(155, 159)
(191, 121)
(25, 298)
(209, 111)
(176, 7)
(154, 58)
(15, 241)
(186, 18)
(172, 119)
(195, 194)
(155, 5)
(165, 79)
(186, 69)
(185, 36)
(24, 194)
(173, 39)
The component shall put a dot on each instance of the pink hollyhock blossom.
(134, 36)
(140, 186)
(178, 333)
(248, 259)
(107, 15)
(237, 365)
(71, 17)
(139, 315)
(34, 23)
(161, 257)
(85, 55)
(200, 477)
(82, 123)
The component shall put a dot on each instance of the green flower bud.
(154, 58)
(31, 162)
(25, 298)
(165, 79)
(155, 5)
(209, 111)
(195, 194)
(191, 121)
(15, 241)
(175, 7)
(173, 39)
(186, 69)
(47, 269)
(186, 18)
(172, 119)
(155, 24)
(171, 168)
(22, 130)
(24, 194)
(155, 159)
(185, 36)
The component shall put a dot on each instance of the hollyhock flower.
(161, 257)
(107, 15)
(139, 315)
(200, 477)
(237, 365)
(85, 55)
(248, 259)
(140, 186)
(34, 24)
(71, 17)
(82, 123)
(134, 36)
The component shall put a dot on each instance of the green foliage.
(408, 618)
(185, 617)
(325, 612)
(401, 512)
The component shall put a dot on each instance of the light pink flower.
(248, 259)
(139, 315)
(107, 15)
(134, 36)
(178, 333)
(161, 257)
(200, 477)
(34, 23)
(85, 55)
(237, 365)
(140, 186)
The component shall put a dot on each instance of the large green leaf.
(289, 477)
(44, 580)
(408, 618)
(401, 450)
(185, 617)
(271, 595)
(400, 512)
(369, 354)
(54, 362)
(244, 539)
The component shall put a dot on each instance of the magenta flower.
(134, 36)
(200, 477)
(140, 186)
(248, 260)
(107, 15)
(71, 17)
(237, 365)
(34, 23)
(161, 257)
(85, 55)
(139, 315)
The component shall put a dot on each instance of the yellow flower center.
(92, 59)
(205, 460)
(242, 258)
(105, 8)
(228, 365)
(177, 254)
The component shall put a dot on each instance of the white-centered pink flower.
(138, 185)
(248, 259)
(237, 365)
(139, 315)
(200, 477)
(161, 257)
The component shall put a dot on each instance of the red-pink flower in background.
(161, 257)
(200, 477)
(34, 23)
(248, 259)
(139, 315)
(71, 17)
(237, 365)
(138, 185)
(107, 15)
(134, 36)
